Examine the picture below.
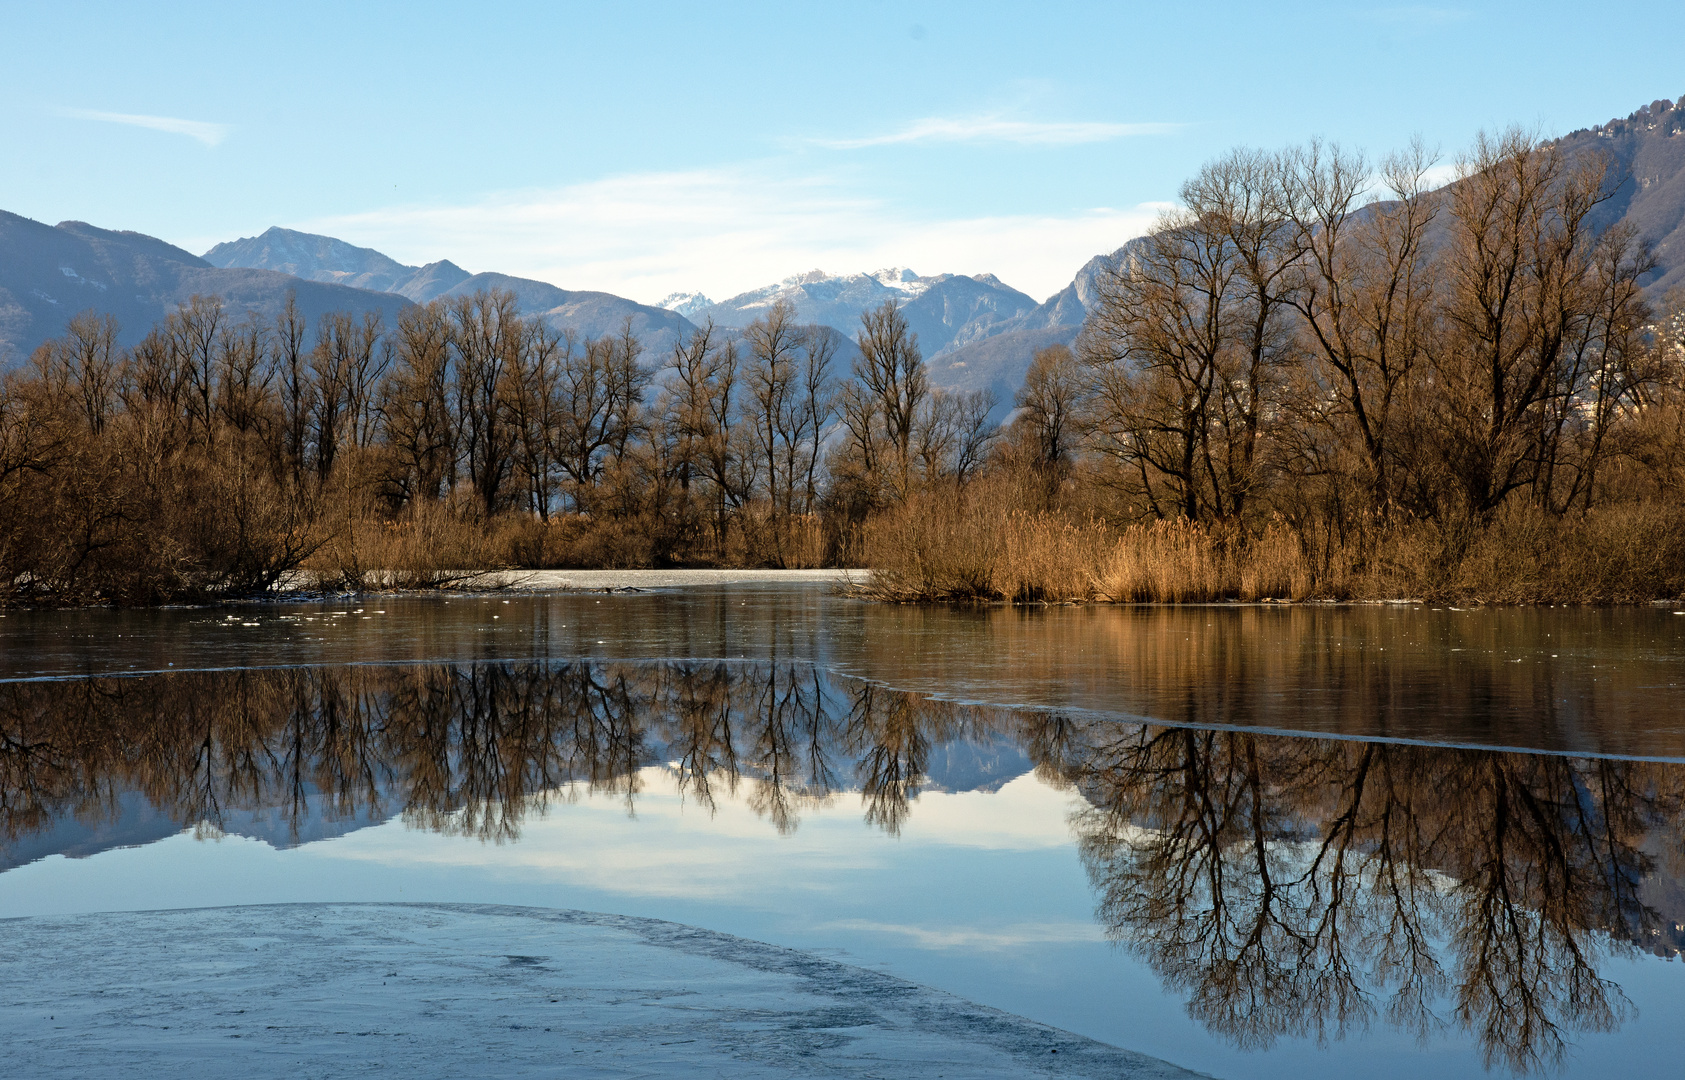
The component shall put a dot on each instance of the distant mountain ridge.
(975, 331)
(323, 258)
(590, 314)
(685, 303)
(997, 358)
(50, 272)
(945, 310)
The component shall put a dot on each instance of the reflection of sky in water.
(982, 895)
(984, 892)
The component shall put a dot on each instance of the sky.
(650, 148)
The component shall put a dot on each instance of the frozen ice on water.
(437, 990)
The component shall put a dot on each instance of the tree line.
(1370, 373)
(224, 452)
(1320, 376)
(1282, 339)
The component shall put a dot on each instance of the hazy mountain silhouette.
(50, 272)
(589, 314)
(976, 332)
(998, 354)
(323, 258)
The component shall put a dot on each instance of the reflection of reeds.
(982, 549)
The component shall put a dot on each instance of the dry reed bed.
(953, 550)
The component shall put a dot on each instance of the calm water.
(1388, 841)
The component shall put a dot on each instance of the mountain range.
(50, 272)
(976, 332)
(322, 258)
(945, 310)
(325, 259)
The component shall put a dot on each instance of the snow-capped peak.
(900, 278)
(685, 303)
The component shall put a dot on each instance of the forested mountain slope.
(1646, 152)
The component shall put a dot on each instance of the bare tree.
(1521, 283)
(416, 407)
(485, 333)
(895, 384)
(599, 410)
(951, 434)
(1190, 336)
(1049, 404)
(1608, 369)
(533, 410)
(1364, 294)
(815, 404)
(245, 374)
(296, 389)
(772, 401)
(192, 331)
(85, 365)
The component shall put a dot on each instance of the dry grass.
(431, 547)
(1614, 555)
(977, 549)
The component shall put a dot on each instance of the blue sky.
(648, 148)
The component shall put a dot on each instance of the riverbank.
(441, 990)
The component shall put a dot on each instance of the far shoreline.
(855, 582)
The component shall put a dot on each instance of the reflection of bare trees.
(1305, 887)
(1286, 886)
(465, 749)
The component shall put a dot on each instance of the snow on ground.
(462, 990)
(560, 580)
(547, 580)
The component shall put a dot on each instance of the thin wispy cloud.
(727, 230)
(208, 133)
(986, 129)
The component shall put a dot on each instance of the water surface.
(1094, 817)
